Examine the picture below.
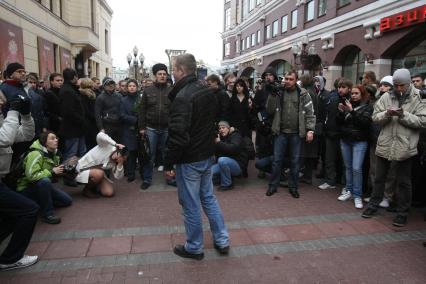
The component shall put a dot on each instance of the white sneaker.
(384, 203)
(358, 203)
(367, 199)
(25, 261)
(345, 196)
(326, 186)
(343, 190)
(161, 168)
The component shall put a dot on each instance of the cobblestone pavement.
(278, 239)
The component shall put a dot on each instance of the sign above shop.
(404, 19)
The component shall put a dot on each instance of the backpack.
(17, 170)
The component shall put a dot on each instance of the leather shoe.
(294, 193)
(271, 190)
(145, 185)
(225, 187)
(222, 250)
(51, 219)
(181, 251)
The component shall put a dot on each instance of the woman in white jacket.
(106, 156)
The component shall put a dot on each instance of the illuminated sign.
(404, 19)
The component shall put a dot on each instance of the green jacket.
(38, 164)
(305, 112)
(399, 136)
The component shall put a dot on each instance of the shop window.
(237, 47)
(294, 19)
(275, 28)
(414, 60)
(227, 49)
(310, 11)
(322, 7)
(354, 65)
(343, 2)
(268, 32)
(284, 24)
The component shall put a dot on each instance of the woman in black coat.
(240, 109)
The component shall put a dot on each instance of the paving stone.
(67, 249)
(267, 235)
(302, 232)
(110, 246)
(37, 248)
(153, 243)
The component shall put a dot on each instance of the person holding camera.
(41, 165)
(402, 114)
(18, 214)
(95, 167)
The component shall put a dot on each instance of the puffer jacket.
(355, 125)
(231, 146)
(107, 109)
(11, 89)
(11, 131)
(154, 107)
(38, 164)
(399, 135)
(305, 112)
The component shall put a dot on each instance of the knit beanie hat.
(224, 124)
(387, 80)
(401, 77)
(12, 67)
(107, 80)
(157, 67)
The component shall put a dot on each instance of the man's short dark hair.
(345, 83)
(291, 72)
(213, 78)
(53, 76)
(417, 76)
(69, 74)
(186, 62)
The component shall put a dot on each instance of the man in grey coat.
(401, 114)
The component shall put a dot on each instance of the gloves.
(21, 104)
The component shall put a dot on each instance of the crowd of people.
(370, 137)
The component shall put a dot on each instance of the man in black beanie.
(13, 87)
(153, 118)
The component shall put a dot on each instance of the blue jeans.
(264, 164)
(74, 147)
(353, 153)
(47, 196)
(157, 138)
(281, 143)
(18, 216)
(226, 168)
(195, 188)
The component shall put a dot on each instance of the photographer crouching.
(96, 165)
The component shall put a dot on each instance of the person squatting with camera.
(95, 167)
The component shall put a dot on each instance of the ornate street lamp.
(305, 57)
(135, 60)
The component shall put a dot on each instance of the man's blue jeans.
(157, 138)
(264, 164)
(353, 153)
(47, 196)
(226, 168)
(281, 143)
(74, 147)
(195, 190)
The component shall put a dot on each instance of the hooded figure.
(270, 70)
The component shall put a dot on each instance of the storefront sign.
(46, 58)
(12, 46)
(404, 19)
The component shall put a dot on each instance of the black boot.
(271, 190)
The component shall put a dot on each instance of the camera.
(422, 93)
(274, 87)
(70, 169)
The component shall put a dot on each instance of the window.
(258, 2)
(106, 42)
(227, 49)
(251, 5)
(258, 36)
(275, 28)
(248, 42)
(354, 65)
(344, 2)
(268, 32)
(93, 15)
(237, 46)
(310, 11)
(253, 39)
(294, 19)
(322, 7)
(284, 21)
(242, 45)
(227, 19)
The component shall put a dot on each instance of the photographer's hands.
(58, 170)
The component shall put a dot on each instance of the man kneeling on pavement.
(94, 167)
(232, 157)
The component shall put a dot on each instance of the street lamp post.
(308, 57)
(135, 61)
(172, 53)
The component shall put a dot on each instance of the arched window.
(354, 65)
(414, 60)
(282, 67)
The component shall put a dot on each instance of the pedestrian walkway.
(278, 239)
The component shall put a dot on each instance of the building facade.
(330, 37)
(49, 35)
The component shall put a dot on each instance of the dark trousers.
(403, 190)
(18, 216)
(47, 196)
(131, 162)
(114, 131)
(333, 161)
